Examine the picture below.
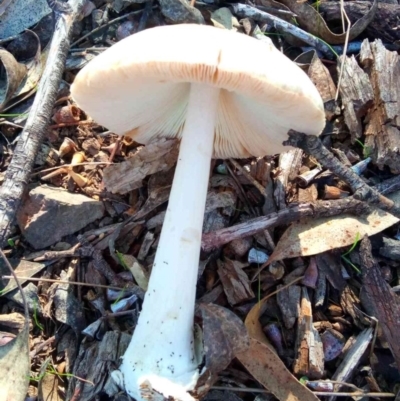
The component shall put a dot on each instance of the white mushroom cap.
(140, 88)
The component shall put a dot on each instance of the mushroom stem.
(161, 355)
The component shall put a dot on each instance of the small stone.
(257, 256)
(179, 11)
(50, 213)
(126, 29)
(61, 246)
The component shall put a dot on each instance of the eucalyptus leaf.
(15, 367)
(12, 78)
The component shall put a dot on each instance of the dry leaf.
(267, 368)
(311, 21)
(253, 324)
(22, 268)
(48, 384)
(14, 377)
(35, 67)
(139, 273)
(326, 233)
(262, 356)
(15, 73)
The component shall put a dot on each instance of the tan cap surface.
(140, 87)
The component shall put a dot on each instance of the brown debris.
(383, 25)
(356, 94)
(235, 282)
(289, 303)
(310, 356)
(158, 156)
(380, 296)
(382, 132)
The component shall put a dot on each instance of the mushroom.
(226, 95)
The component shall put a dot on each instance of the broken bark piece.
(51, 213)
(330, 265)
(289, 165)
(309, 194)
(322, 79)
(235, 282)
(352, 358)
(128, 175)
(356, 95)
(311, 274)
(380, 296)
(351, 304)
(382, 131)
(95, 363)
(146, 245)
(67, 308)
(390, 249)
(310, 355)
(289, 304)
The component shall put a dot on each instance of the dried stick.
(245, 11)
(17, 175)
(314, 147)
(216, 239)
(383, 300)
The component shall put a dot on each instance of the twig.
(349, 394)
(292, 213)
(48, 280)
(346, 43)
(245, 11)
(277, 11)
(42, 345)
(314, 147)
(17, 175)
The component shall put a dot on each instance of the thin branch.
(245, 11)
(349, 394)
(18, 172)
(294, 212)
(313, 146)
(49, 280)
